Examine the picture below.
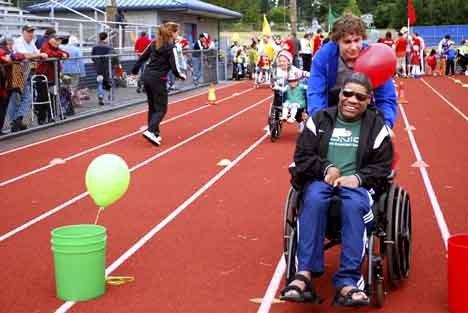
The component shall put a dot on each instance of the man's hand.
(347, 181)
(43, 55)
(332, 175)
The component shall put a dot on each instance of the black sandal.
(348, 300)
(308, 295)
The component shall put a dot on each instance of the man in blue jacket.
(335, 61)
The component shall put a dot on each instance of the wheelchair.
(275, 122)
(388, 251)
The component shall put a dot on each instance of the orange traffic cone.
(401, 93)
(212, 94)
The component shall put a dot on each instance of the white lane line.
(106, 122)
(149, 235)
(446, 101)
(427, 182)
(147, 161)
(273, 286)
(74, 156)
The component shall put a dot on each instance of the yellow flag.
(235, 38)
(266, 30)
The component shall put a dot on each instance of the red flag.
(411, 12)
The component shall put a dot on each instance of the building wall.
(150, 17)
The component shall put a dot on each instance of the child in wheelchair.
(295, 104)
(344, 151)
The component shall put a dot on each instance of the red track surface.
(222, 250)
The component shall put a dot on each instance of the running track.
(215, 233)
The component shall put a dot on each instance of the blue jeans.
(20, 104)
(196, 64)
(356, 220)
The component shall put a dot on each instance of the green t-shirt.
(343, 146)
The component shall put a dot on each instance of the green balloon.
(107, 179)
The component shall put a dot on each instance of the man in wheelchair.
(344, 151)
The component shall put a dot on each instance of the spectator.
(400, 51)
(306, 52)
(45, 38)
(317, 41)
(20, 105)
(120, 19)
(444, 46)
(6, 68)
(431, 61)
(415, 62)
(450, 68)
(140, 45)
(463, 53)
(51, 69)
(104, 76)
(199, 46)
(296, 48)
(419, 41)
(388, 40)
(74, 67)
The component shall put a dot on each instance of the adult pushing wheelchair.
(344, 193)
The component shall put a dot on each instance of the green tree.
(352, 7)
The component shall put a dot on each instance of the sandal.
(347, 300)
(308, 295)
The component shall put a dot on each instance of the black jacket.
(374, 154)
(161, 61)
(102, 63)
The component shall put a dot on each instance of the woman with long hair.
(162, 56)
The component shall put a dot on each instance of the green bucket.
(79, 260)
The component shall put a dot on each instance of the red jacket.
(317, 44)
(6, 70)
(47, 68)
(141, 44)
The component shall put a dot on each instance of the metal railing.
(56, 90)
(122, 35)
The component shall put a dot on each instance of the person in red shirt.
(431, 61)
(141, 43)
(140, 46)
(317, 41)
(400, 50)
(51, 69)
(387, 40)
(415, 62)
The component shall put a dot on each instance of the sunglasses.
(347, 93)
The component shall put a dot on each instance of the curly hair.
(348, 24)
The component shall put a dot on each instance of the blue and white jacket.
(323, 78)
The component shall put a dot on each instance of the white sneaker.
(152, 138)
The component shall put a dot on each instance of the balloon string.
(97, 216)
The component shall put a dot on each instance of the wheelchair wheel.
(391, 240)
(290, 234)
(404, 234)
(379, 293)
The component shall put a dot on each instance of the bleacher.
(433, 34)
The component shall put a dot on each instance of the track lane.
(22, 207)
(41, 155)
(442, 142)
(153, 194)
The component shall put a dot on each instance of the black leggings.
(3, 109)
(157, 102)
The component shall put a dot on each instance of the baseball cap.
(28, 28)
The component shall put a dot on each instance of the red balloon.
(378, 62)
